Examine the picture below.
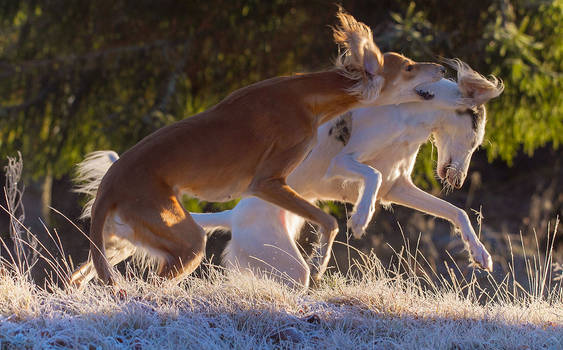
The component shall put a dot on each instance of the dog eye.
(409, 67)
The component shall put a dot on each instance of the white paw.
(482, 257)
(358, 223)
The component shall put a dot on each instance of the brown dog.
(244, 146)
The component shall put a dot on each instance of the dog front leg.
(346, 166)
(276, 191)
(407, 194)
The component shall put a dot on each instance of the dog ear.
(373, 67)
(361, 60)
(480, 92)
(373, 60)
(473, 86)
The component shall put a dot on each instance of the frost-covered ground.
(383, 309)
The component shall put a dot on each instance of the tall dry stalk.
(25, 248)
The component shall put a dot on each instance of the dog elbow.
(374, 176)
(461, 218)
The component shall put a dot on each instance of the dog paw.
(482, 258)
(358, 223)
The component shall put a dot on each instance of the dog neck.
(424, 119)
(326, 96)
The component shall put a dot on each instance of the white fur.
(376, 163)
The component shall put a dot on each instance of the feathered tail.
(89, 174)
(88, 177)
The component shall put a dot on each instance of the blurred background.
(80, 76)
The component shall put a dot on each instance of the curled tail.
(89, 175)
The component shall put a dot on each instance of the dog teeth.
(427, 95)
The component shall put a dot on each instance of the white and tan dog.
(361, 158)
(244, 146)
(364, 156)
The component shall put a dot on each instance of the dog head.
(381, 79)
(461, 128)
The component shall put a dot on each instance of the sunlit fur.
(474, 86)
(378, 78)
(244, 146)
(353, 37)
(375, 164)
(89, 175)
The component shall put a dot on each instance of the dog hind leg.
(168, 231)
(278, 192)
(117, 250)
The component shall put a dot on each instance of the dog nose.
(443, 171)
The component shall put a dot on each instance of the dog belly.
(217, 193)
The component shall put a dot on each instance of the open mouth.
(425, 94)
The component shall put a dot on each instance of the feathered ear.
(373, 60)
(362, 60)
(473, 85)
(373, 65)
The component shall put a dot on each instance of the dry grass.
(381, 309)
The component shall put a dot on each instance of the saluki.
(364, 156)
(244, 146)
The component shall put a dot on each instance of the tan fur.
(245, 145)
(352, 36)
